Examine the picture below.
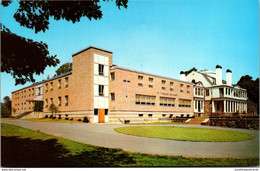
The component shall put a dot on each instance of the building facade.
(217, 96)
(107, 93)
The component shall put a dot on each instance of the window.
(101, 90)
(112, 96)
(140, 85)
(163, 82)
(163, 88)
(144, 99)
(163, 115)
(150, 86)
(140, 115)
(101, 69)
(165, 101)
(188, 89)
(95, 111)
(106, 111)
(66, 100)
(207, 92)
(150, 80)
(51, 100)
(59, 101)
(51, 86)
(184, 103)
(59, 84)
(181, 88)
(46, 103)
(171, 89)
(171, 84)
(112, 76)
(150, 115)
(46, 88)
(140, 78)
(66, 82)
(32, 91)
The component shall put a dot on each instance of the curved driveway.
(104, 135)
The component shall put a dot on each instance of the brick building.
(106, 93)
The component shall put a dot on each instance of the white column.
(224, 107)
(229, 106)
(213, 107)
(246, 107)
(233, 106)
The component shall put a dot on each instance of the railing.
(21, 115)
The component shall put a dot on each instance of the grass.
(52, 120)
(185, 134)
(156, 123)
(22, 147)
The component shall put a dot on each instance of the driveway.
(104, 135)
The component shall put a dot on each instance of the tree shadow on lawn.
(18, 152)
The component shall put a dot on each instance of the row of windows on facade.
(163, 115)
(22, 106)
(150, 100)
(230, 91)
(59, 101)
(23, 93)
(59, 84)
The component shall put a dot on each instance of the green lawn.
(185, 133)
(157, 123)
(22, 147)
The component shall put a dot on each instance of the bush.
(66, 118)
(85, 119)
(46, 116)
(71, 119)
(51, 116)
(79, 120)
(59, 117)
(54, 117)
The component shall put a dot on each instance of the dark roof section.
(228, 70)
(145, 73)
(90, 47)
(43, 81)
(218, 66)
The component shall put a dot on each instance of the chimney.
(218, 75)
(229, 77)
(182, 76)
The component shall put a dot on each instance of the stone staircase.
(196, 121)
(21, 115)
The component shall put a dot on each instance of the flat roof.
(93, 47)
(145, 73)
(43, 81)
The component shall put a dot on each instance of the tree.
(34, 56)
(6, 107)
(53, 109)
(67, 67)
(252, 87)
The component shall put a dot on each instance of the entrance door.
(101, 115)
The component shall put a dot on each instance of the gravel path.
(104, 135)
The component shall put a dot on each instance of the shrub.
(59, 117)
(66, 118)
(54, 117)
(46, 116)
(79, 119)
(71, 119)
(85, 119)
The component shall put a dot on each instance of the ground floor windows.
(184, 103)
(140, 115)
(66, 100)
(144, 99)
(165, 101)
(150, 115)
(112, 96)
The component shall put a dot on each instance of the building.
(215, 95)
(103, 92)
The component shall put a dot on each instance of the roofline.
(145, 73)
(43, 81)
(90, 48)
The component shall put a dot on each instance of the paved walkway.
(104, 135)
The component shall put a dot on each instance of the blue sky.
(158, 36)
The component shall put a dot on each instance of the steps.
(196, 121)
(21, 115)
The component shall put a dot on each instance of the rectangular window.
(150, 115)
(140, 85)
(101, 69)
(112, 96)
(112, 76)
(163, 88)
(59, 101)
(188, 89)
(95, 111)
(140, 78)
(163, 82)
(171, 84)
(106, 111)
(51, 100)
(181, 88)
(144, 99)
(184, 103)
(59, 84)
(46, 88)
(66, 100)
(46, 103)
(140, 115)
(101, 90)
(32, 91)
(207, 92)
(51, 86)
(39, 91)
(150, 80)
(66, 82)
(163, 115)
(150, 86)
(165, 101)
(171, 89)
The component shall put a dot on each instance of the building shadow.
(26, 152)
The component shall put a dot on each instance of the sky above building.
(161, 37)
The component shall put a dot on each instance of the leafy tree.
(53, 109)
(34, 56)
(6, 107)
(252, 87)
(67, 67)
